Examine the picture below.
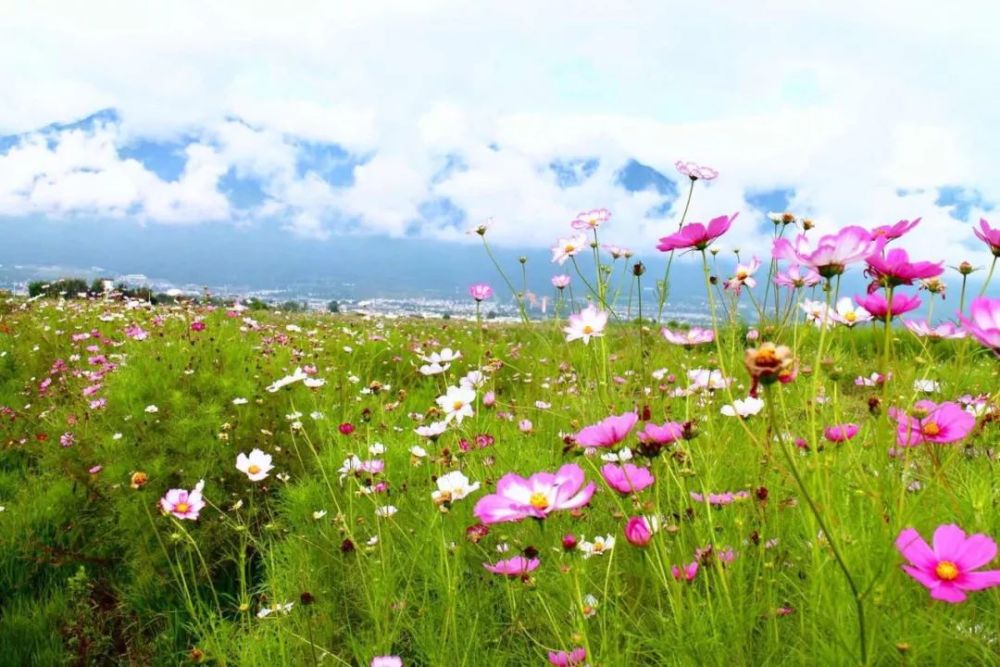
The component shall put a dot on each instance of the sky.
(329, 122)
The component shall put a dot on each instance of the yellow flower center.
(587, 329)
(182, 508)
(457, 405)
(568, 248)
(741, 274)
(851, 316)
(253, 469)
(946, 570)
(930, 428)
(539, 500)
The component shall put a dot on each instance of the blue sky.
(419, 119)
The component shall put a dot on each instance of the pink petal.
(977, 551)
(977, 581)
(915, 549)
(948, 541)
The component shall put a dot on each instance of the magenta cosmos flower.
(840, 432)
(638, 532)
(661, 434)
(480, 291)
(538, 496)
(518, 566)
(893, 232)
(878, 306)
(932, 422)
(695, 172)
(948, 568)
(690, 338)
(574, 658)
(607, 432)
(989, 236)
(627, 478)
(697, 236)
(894, 268)
(984, 322)
(182, 503)
(831, 254)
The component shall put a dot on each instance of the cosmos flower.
(840, 432)
(388, 660)
(983, 322)
(695, 172)
(590, 219)
(627, 479)
(829, 255)
(923, 329)
(894, 268)
(847, 314)
(796, 276)
(743, 407)
(457, 403)
(879, 307)
(586, 324)
(561, 281)
(518, 566)
(684, 573)
(949, 568)
(607, 432)
(453, 486)
(639, 531)
(743, 276)
(600, 545)
(696, 236)
(184, 504)
(893, 232)
(517, 498)
(931, 422)
(575, 658)
(480, 291)
(566, 248)
(256, 466)
(690, 338)
(989, 236)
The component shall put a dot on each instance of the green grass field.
(92, 572)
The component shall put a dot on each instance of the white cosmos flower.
(566, 248)
(297, 376)
(432, 430)
(473, 380)
(457, 403)
(240, 401)
(848, 313)
(746, 407)
(588, 323)
(598, 547)
(256, 466)
(385, 511)
(926, 386)
(445, 356)
(434, 368)
(625, 454)
(453, 486)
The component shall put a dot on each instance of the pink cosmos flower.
(518, 566)
(942, 331)
(948, 568)
(697, 236)
(894, 268)
(877, 305)
(480, 291)
(796, 276)
(573, 658)
(932, 422)
(591, 219)
(743, 276)
(517, 498)
(720, 499)
(661, 434)
(386, 661)
(829, 255)
(840, 432)
(627, 478)
(893, 232)
(690, 338)
(561, 281)
(607, 432)
(687, 573)
(695, 171)
(989, 236)
(183, 504)
(984, 322)
(588, 323)
(638, 532)
(566, 248)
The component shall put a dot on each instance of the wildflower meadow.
(807, 476)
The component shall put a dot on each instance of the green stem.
(989, 275)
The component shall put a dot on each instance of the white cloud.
(848, 103)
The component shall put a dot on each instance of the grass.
(93, 573)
